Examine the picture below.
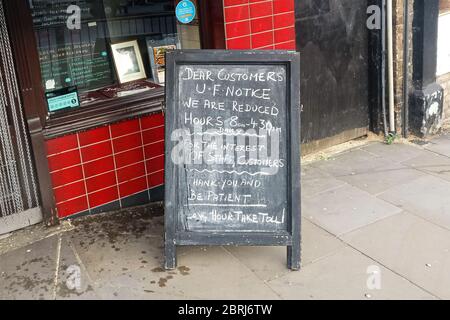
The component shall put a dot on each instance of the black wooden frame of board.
(290, 239)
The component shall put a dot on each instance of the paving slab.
(440, 145)
(143, 283)
(379, 179)
(104, 260)
(351, 162)
(433, 164)
(109, 292)
(410, 246)
(269, 263)
(110, 248)
(346, 209)
(345, 275)
(428, 197)
(213, 273)
(73, 282)
(395, 153)
(315, 181)
(28, 273)
(308, 172)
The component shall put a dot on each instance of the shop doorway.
(19, 204)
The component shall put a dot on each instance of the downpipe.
(406, 70)
(390, 65)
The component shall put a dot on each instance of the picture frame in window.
(128, 61)
(156, 51)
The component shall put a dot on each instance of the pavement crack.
(58, 259)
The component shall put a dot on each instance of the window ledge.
(97, 114)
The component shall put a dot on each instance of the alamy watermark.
(374, 279)
(259, 148)
(73, 280)
(74, 17)
(374, 19)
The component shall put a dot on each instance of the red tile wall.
(260, 24)
(101, 166)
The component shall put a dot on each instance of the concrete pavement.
(376, 225)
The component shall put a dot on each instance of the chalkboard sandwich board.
(232, 150)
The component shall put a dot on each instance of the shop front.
(92, 87)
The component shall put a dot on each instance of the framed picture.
(128, 61)
(157, 52)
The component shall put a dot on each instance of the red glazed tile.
(153, 135)
(152, 121)
(236, 13)
(154, 150)
(283, 35)
(129, 158)
(239, 43)
(132, 187)
(62, 144)
(103, 197)
(262, 39)
(291, 45)
(98, 167)
(72, 207)
(101, 182)
(280, 6)
(64, 160)
(94, 136)
(125, 127)
(63, 177)
(159, 163)
(269, 47)
(155, 164)
(262, 24)
(131, 172)
(261, 9)
(284, 20)
(127, 143)
(69, 192)
(238, 29)
(228, 3)
(156, 179)
(96, 151)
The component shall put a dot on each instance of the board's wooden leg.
(293, 257)
(170, 255)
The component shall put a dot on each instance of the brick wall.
(260, 24)
(398, 57)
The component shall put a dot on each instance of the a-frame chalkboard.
(232, 150)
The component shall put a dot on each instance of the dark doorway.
(332, 38)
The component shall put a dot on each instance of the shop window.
(105, 48)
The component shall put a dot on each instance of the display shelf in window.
(157, 51)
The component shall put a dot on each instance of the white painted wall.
(443, 59)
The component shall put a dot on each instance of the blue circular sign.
(185, 11)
